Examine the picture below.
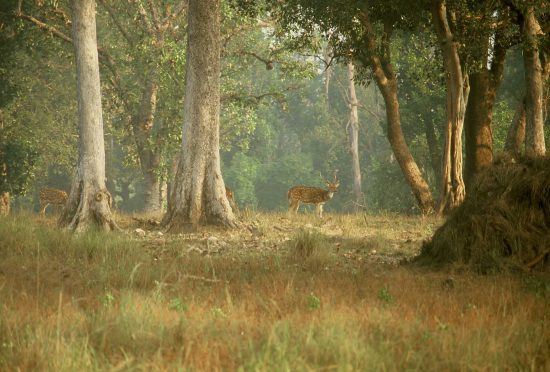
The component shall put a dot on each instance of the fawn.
(54, 197)
(312, 195)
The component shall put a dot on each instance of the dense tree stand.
(198, 193)
(89, 201)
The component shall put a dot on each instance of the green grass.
(280, 296)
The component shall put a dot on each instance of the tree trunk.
(163, 194)
(545, 60)
(142, 125)
(453, 189)
(152, 192)
(477, 126)
(125, 192)
(534, 130)
(433, 148)
(89, 201)
(353, 136)
(172, 179)
(479, 112)
(402, 153)
(386, 80)
(199, 190)
(515, 138)
(328, 74)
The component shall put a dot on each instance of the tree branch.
(171, 16)
(373, 57)
(115, 20)
(104, 57)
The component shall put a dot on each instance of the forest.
(274, 185)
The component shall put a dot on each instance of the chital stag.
(57, 198)
(312, 195)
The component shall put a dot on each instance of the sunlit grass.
(248, 299)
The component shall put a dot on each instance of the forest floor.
(279, 293)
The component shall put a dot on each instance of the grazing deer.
(4, 203)
(57, 198)
(312, 195)
(231, 198)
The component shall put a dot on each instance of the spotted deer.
(4, 203)
(231, 198)
(312, 195)
(55, 197)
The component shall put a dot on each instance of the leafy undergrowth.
(277, 294)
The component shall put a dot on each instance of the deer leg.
(319, 208)
(290, 206)
(43, 208)
(294, 205)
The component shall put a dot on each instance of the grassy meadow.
(279, 293)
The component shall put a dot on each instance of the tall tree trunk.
(142, 125)
(453, 191)
(534, 130)
(89, 201)
(515, 138)
(353, 136)
(152, 191)
(479, 112)
(433, 148)
(163, 194)
(477, 127)
(545, 61)
(125, 192)
(379, 60)
(199, 189)
(328, 74)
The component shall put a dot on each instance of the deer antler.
(335, 178)
(323, 178)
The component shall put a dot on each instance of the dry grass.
(246, 299)
(504, 222)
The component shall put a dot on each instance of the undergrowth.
(114, 301)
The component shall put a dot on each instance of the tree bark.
(199, 189)
(163, 194)
(479, 112)
(328, 75)
(142, 125)
(353, 137)
(433, 148)
(379, 60)
(125, 191)
(89, 201)
(453, 189)
(515, 138)
(534, 130)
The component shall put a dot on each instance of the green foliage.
(313, 302)
(242, 176)
(385, 296)
(178, 305)
(17, 160)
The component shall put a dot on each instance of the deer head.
(332, 186)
